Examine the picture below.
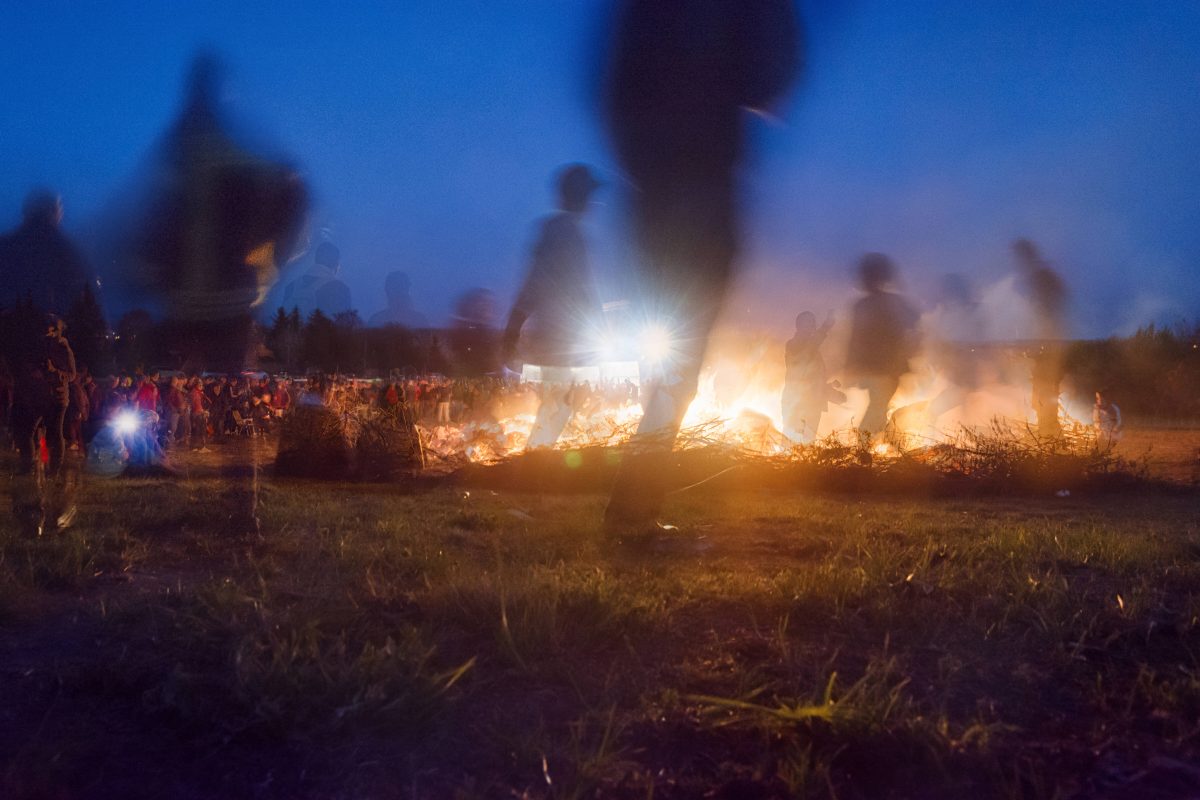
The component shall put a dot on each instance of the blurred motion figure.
(955, 325)
(320, 287)
(1047, 296)
(43, 493)
(1106, 418)
(220, 223)
(805, 390)
(400, 310)
(38, 263)
(559, 301)
(679, 80)
(883, 337)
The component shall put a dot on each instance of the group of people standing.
(886, 335)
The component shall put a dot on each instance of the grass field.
(371, 642)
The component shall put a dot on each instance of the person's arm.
(526, 298)
(818, 337)
(72, 373)
(512, 333)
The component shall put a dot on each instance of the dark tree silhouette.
(134, 339)
(89, 334)
(319, 345)
(285, 338)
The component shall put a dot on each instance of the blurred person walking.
(1047, 296)
(400, 310)
(955, 328)
(1106, 418)
(178, 414)
(680, 77)
(806, 390)
(43, 494)
(559, 302)
(198, 405)
(321, 287)
(38, 263)
(883, 337)
(220, 223)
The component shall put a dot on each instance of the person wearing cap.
(883, 337)
(557, 303)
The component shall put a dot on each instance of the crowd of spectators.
(196, 411)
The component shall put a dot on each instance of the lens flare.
(126, 423)
(654, 343)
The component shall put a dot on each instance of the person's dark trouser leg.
(28, 502)
(644, 477)
(1047, 385)
(881, 389)
(56, 438)
(62, 479)
(688, 242)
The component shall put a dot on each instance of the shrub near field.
(482, 644)
(1155, 373)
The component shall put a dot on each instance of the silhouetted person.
(474, 340)
(399, 309)
(805, 389)
(1106, 418)
(883, 337)
(1047, 297)
(680, 78)
(955, 326)
(320, 288)
(1045, 290)
(43, 495)
(220, 224)
(558, 303)
(38, 263)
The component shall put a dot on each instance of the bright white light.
(606, 347)
(126, 423)
(654, 343)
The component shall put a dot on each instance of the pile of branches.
(1002, 455)
(1002, 459)
(388, 445)
(364, 444)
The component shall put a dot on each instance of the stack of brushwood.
(388, 445)
(1003, 459)
(361, 444)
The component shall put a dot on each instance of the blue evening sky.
(935, 131)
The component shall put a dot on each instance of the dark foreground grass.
(370, 643)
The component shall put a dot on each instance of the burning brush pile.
(730, 455)
(733, 437)
(746, 451)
